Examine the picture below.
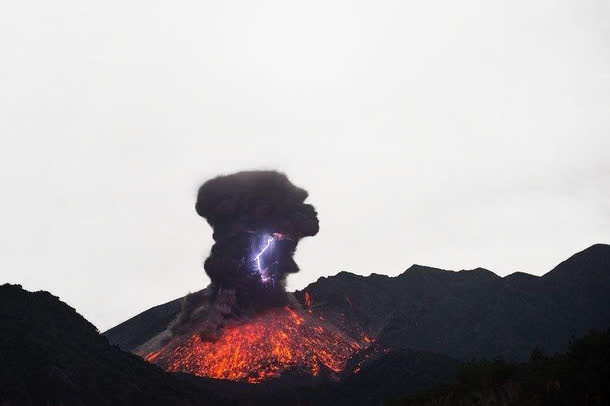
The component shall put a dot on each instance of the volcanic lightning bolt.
(264, 277)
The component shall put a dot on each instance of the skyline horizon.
(331, 275)
(451, 134)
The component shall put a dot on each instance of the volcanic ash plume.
(245, 326)
(258, 219)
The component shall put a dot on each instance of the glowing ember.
(308, 300)
(261, 349)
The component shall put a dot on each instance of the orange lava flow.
(262, 348)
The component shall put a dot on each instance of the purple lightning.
(257, 258)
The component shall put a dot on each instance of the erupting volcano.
(270, 344)
(244, 325)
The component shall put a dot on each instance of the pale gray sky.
(449, 133)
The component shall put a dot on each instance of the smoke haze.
(258, 218)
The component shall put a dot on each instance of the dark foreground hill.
(579, 377)
(466, 314)
(50, 355)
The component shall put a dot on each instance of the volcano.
(279, 340)
(245, 326)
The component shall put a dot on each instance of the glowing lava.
(262, 348)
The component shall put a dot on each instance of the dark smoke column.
(258, 218)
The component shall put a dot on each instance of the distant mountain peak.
(416, 268)
(347, 275)
(592, 260)
(599, 246)
(421, 270)
(520, 275)
(480, 272)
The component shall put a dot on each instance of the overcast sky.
(454, 134)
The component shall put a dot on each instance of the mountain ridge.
(418, 308)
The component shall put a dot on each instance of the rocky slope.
(50, 355)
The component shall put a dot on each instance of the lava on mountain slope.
(263, 348)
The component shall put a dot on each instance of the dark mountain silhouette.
(466, 314)
(423, 322)
(50, 355)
